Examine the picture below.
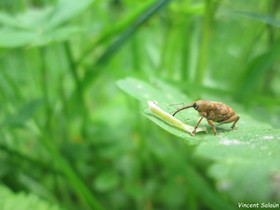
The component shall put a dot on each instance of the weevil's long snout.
(184, 107)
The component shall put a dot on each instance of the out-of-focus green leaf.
(33, 19)
(15, 38)
(40, 27)
(67, 9)
(22, 201)
(158, 90)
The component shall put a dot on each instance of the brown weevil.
(214, 112)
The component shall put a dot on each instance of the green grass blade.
(114, 47)
(256, 71)
(263, 18)
(131, 30)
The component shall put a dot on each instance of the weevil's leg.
(194, 131)
(233, 119)
(210, 122)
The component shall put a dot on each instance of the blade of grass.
(256, 71)
(113, 31)
(45, 90)
(210, 6)
(79, 88)
(115, 46)
(131, 30)
(263, 18)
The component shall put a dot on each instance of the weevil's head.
(201, 105)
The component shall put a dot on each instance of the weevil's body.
(213, 112)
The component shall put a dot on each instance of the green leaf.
(32, 19)
(162, 118)
(22, 201)
(40, 27)
(245, 162)
(66, 10)
(15, 38)
(164, 95)
(159, 91)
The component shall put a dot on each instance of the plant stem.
(203, 52)
(73, 68)
(79, 87)
(271, 73)
(185, 59)
(44, 84)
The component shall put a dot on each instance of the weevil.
(214, 112)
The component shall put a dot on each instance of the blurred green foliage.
(71, 137)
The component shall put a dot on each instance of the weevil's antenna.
(184, 107)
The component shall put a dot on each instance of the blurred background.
(70, 137)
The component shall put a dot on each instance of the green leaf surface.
(22, 201)
(162, 118)
(165, 95)
(158, 90)
(243, 160)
